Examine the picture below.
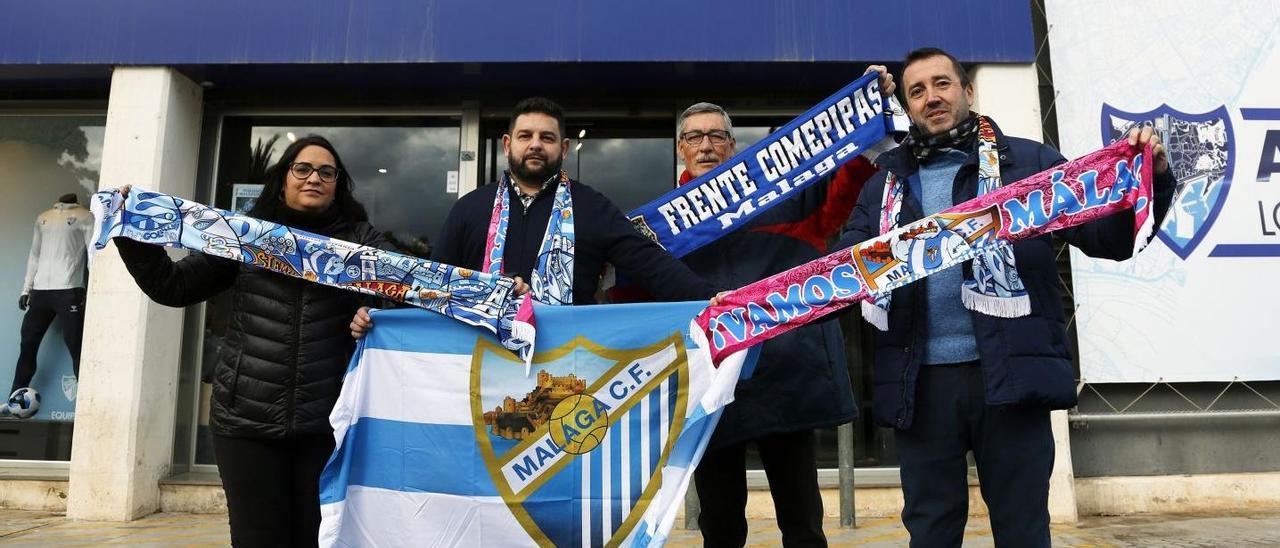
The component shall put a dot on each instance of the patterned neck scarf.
(960, 138)
(552, 278)
(995, 289)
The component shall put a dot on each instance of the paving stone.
(23, 528)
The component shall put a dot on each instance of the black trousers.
(789, 463)
(1013, 448)
(272, 488)
(42, 307)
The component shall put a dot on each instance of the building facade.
(192, 99)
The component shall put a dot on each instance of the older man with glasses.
(801, 382)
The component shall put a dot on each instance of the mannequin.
(54, 285)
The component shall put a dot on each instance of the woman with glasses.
(287, 346)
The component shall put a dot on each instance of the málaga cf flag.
(442, 438)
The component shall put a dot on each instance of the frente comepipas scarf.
(852, 122)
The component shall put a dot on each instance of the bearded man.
(553, 233)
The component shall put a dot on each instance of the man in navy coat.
(950, 380)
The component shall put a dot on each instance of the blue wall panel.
(421, 31)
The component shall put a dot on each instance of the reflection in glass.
(400, 167)
(400, 174)
(630, 171)
(41, 159)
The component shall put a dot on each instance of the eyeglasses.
(694, 138)
(303, 170)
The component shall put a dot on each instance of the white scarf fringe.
(875, 315)
(991, 305)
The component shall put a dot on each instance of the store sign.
(1196, 306)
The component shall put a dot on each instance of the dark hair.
(925, 53)
(269, 203)
(540, 105)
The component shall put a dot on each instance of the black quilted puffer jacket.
(281, 363)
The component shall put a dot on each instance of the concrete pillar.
(1009, 94)
(1062, 484)
(123, 441)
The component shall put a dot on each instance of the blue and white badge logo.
(70, 385)
(587, 436)
(1201, 156)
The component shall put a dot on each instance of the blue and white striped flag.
(442, 439)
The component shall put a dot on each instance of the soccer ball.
(24, 403)
(578, 424)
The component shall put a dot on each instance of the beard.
(522, 171)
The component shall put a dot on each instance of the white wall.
(1009, 94)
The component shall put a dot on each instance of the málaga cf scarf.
(995, 288)
(474, 298)
(552, 278)
(1105, 182)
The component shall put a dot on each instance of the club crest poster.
(1195, 306)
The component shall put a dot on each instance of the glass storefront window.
(44, 158)
(629, 161)
(401, 167)
(634, 161)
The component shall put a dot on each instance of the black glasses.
(694, 138)
(303, 170)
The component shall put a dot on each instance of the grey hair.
(699, 108)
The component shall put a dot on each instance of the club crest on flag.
(1201, 154)
(577, 438)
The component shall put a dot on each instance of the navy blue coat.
(801, 380)
(1025, 360)
(601, 234)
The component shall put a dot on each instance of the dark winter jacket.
(287, 346)
(1024, 360)
(602, 234)
(801, 380)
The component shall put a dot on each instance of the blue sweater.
(950, 328)
(1025, 360)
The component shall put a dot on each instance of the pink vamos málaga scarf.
(1102, 183)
